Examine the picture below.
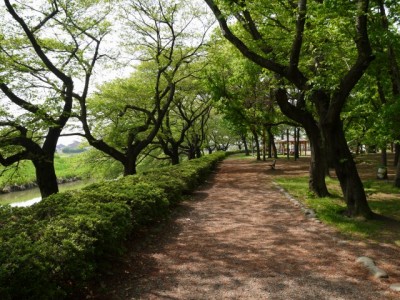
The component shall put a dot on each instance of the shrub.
(51, 249)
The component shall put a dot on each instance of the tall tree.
(392, 61)
(45, 48)
(190, 105)
(159, 34)
(241, 90)
(308, 65)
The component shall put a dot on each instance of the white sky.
(104, 73)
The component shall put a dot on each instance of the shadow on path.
(240, 238)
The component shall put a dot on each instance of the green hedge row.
(49, 250)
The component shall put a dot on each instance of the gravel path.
(240, 238)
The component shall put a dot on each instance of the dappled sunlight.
(240, 238)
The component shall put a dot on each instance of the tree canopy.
(326, 66)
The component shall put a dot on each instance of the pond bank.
(30, 185)
(30, 196)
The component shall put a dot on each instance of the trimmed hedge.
(51, 249)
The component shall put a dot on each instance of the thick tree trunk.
(130, 165)
(175, 159)
(269, 150)
(174, 154)
(198, 152)
(346, 171)
(396, 154)
(318, 156)
(318, 165)
(191, 152)
(46, 176)
(397, 177)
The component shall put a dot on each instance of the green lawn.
(67, 166)
(383, 198)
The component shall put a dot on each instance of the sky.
(102, 72)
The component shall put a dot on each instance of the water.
(31, 196)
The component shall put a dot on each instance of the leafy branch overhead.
(47, 48)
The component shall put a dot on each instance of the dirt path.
(240, 238)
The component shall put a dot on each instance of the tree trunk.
(191, 152)
(174, 153)
(296, 143)
(318, 156)
(272, 146)
(269, 150)
(287, 144)
(264, 144)
(198, 152)
(246, 148)
(257, 144)
(175, 159)
(346, 171)
(384, 156)
(396, 154)
(130, 165)
(318, 165)
(271, 143)
(46, 176)
(397, 177)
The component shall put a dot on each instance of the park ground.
(239, 237)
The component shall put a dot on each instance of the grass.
(66, 166)
(383, 198)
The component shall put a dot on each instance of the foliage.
(51, 249)
(46, 47)
(124, 118)
(23, 173)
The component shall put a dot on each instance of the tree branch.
(294, 76)
(38, 49)
(298, 40)
(365, 56)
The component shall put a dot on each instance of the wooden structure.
(282, 146)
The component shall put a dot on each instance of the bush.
(53, 248)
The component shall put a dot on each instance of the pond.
(31, 196)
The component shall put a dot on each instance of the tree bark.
(257, 144)
(318, 164)
(175, 157)
(130, 163)
(397, 177)
(287, 144)
(346, 171)
(46, 175)
(384, 156)
(296, 143)
(396, 154)
(271, 144)
(264, 144)
(246, 148)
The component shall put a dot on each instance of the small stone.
(370, 265)
(395, 287)
(310, 213)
